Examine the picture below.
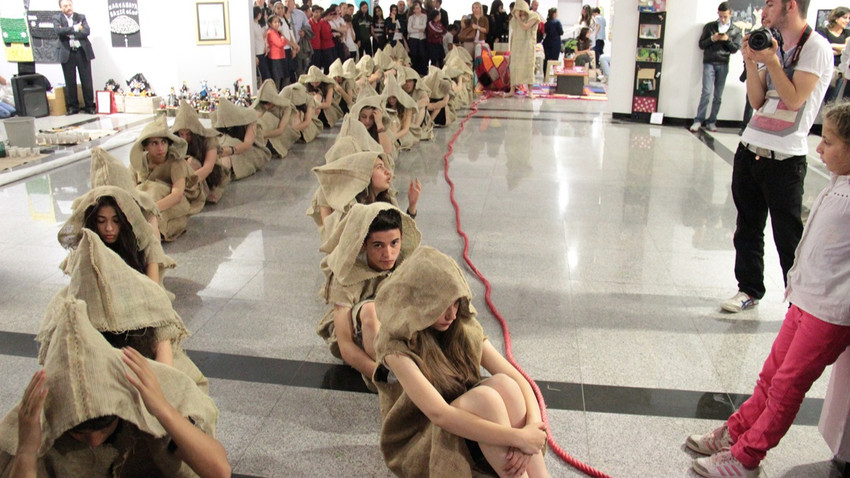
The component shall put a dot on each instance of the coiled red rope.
(553, 445)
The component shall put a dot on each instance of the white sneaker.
(712, 442)
(741, 301)
(694, 127)
(723, 465)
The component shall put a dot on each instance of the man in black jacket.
(75, 54)
(718, 41)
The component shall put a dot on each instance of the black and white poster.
(124, 23)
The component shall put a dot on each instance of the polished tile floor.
(608, 245)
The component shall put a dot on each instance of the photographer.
(785, 86)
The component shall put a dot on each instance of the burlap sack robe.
(384, 61)
(269, 120)
(86, 380)
(158, 180)
(455, 69)
(352, 138)
(368, 98)
(147, 242)
(422, 125)
(409, 302)
(333, 113)
(118, 299)
(187, 118)
(297, 94)
(522, 46)
(392, 88)
(400, 55)
(256, 158)
(350, 71)
(107, 170)
(348, 84)
(348, 278)
(440, 87)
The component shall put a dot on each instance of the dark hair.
(237, 132)
(125, 245)
(364, 3)
(585, 14)
(837, 13)
(398, 106)
(433, 14)
(597, 10)
(147, 140)
(143, 340)
(494, 7)
(317, 8)
(393, 6)
(723, 7)
(95, 424)
(376, 9)
(551, 14)
(582, 34)
(322, 88)
(367, 196)
(839, 115)
(197, 147)
(302, 108)
(347, 18)
(257, 11)
(386, 220)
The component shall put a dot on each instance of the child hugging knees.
(363, 250)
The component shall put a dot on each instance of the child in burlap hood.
(422, 126)
(276, 115)
(523, 27)
(461, 77)
(120, 301)
(401, 112)
(248, 153)
(385, 62)
(321, 87)
(107, 170)
(147, 243)
(345, 83)
(305, 124)
(426, 292)
(86, 379)
(370, 74)
(350, 281)
(373, 104)
(441, 94)
(172, 176)
(213, 171)
(353, 138)
(399, 54)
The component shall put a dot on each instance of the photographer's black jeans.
(761, 186)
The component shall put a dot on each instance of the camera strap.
(797, 49)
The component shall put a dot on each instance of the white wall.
(169, 54)
(682, 68)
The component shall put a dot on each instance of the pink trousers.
(804, 347)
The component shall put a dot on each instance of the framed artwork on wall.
(212, 22)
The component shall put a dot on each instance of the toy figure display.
(139, 86)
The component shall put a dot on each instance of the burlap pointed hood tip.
(158, 128)
(187, 118)
(229, 115)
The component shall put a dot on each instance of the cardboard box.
(56, 100)
(142, 104)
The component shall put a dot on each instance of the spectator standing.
(586, 19)
(475, 29)
(523, 38)
(601, 31)
(300, 26)
(552, 40)
(363, 29)
(836, 33)
(293, 47)
(379, 34)
(75, 54)
(444, 15)
(434, 34)
(542, 21)
(277, 54)
(393, 28)
(322, 41)
(403, 12)
(417, 21)
(498, 22)
(719, 40)
(258, 44)
(770, 163)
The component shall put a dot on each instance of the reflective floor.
(608, 245)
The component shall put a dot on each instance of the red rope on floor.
(553, 445)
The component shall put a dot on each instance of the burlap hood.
(72, 231)
(349, 69)
(86, 379)
(384, 61)
(118, 298)
(456, 67)
(462, 54)
(407, 73)
(366, 65)
(335, 69)
(158, 128)
(392, 88)
(346, 241)
(418, 292)
(353, 138)
(342, 180)
(268, 93)
(399, 54)
(521, 6)
(187, 118)
(296, 93)
(366, 91)
(314, 74)
(106, 170)
(437, 82)
(373, 101)
(229, 115)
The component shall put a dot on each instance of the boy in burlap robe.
(96, 411)
(275, 115)
(213, 171)
(242, 141)
(362, 251)
(167, 177)
(430, 349)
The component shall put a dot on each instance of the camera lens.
(760, 40)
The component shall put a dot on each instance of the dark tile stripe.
(654, 402)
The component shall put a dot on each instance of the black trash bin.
(30, 93)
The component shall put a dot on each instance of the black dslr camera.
(761, 39)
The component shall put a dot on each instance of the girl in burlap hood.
(87, 379)
(422, 126)
(344, 83)
(305, 124)
(276, 116)
(351, 282)
(461, 78)
(523, 26)
(400, 55)
(462, 54)
(441, 94)
(321, 87)
(401, 109)
(138, 245)
(123, 305)
(369, 73)
(370, 111)
(170, 180)
(242, 141)
(212, 171)
(432, 343)
(384, 61)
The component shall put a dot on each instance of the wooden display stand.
(570, 81)
(650, 51)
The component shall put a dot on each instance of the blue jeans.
(713, 81)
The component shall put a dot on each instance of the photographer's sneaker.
(711, 127)
(712, 442)
(741, 301)
(694, 127)
(723, 465)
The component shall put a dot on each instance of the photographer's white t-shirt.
(783, 130)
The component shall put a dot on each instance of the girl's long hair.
(125, 245)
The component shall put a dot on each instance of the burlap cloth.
(349, 70)
(86, 380)
(383, 60)
(371, 99)
(422, 125)
(352, 138)
(440, 87)
(400, 55)
(522, 46)
(249, 162)
(346, 277)
(269, 120)
(107, 170)
(187, 118)
(392, 88)
(409, 302)
(297, 94)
